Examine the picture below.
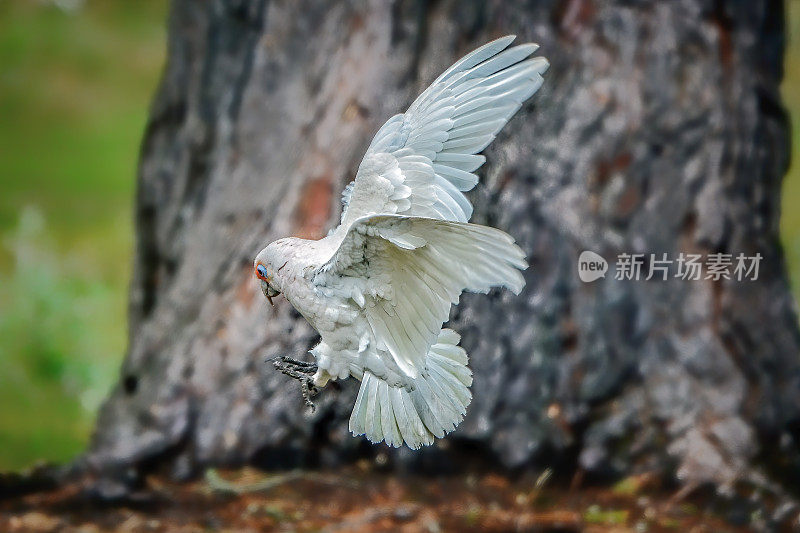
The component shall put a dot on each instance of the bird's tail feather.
(435, 404)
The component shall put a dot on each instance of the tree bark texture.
(659, 129)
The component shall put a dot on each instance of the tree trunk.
(659, 129)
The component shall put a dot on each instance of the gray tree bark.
(659, 129)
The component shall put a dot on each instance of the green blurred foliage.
(76, 78)
(61, 336)
(790, 214)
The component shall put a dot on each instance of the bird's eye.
(262, 271)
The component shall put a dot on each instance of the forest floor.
(356, 499)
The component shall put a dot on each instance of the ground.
(360, 499)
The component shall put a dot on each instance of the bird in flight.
(379, 287)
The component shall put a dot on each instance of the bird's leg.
(308, 390)
(301, 371)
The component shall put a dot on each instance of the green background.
(76, 79)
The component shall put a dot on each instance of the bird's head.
(266, 271)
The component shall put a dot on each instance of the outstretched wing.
(421, 162)
(406, 272)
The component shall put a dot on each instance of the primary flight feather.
(379, 287)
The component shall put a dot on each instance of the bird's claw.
(301, 371)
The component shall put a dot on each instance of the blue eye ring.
(261, 272)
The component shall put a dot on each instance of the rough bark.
(659, 129)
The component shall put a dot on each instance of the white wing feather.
(421, 162)
(406, 272)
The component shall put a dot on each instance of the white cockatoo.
(379, 287)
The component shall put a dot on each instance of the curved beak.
(266, 288)
(262, 277)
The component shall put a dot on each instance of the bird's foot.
(301, 371)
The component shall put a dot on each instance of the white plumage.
(379, 287)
